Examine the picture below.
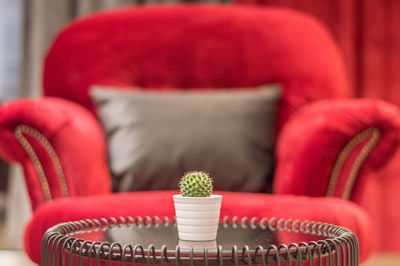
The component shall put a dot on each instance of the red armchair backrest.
(196, 46)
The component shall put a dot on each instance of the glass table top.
(167, 234)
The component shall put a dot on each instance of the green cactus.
(196, 184)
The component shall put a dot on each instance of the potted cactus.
(197, 209)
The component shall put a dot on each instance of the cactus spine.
(196, 184)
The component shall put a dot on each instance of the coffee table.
(132, 241)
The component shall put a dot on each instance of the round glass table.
(154, 241)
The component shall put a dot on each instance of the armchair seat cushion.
(329, 210)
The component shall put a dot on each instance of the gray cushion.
(154, 138)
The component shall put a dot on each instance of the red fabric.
(381, 200)
(329, 210)
(368, 34)
(74, 134)
(215, 47)
(305, 164)
(177, 47)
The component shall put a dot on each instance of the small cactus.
(196, 184)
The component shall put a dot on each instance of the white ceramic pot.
(197, 217)
(198, 246)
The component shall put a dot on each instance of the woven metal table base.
(59, 247)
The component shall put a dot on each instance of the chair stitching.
(19, 134)
(343, 155)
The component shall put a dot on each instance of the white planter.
(198, 246)
(197, 217)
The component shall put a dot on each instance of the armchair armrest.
(330, 147)
(60, 145)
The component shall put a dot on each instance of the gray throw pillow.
(154, 138)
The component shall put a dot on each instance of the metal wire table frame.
(60, 247)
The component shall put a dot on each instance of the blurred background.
(366, 31)
(11, 51)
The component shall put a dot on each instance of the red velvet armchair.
(327, 146)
